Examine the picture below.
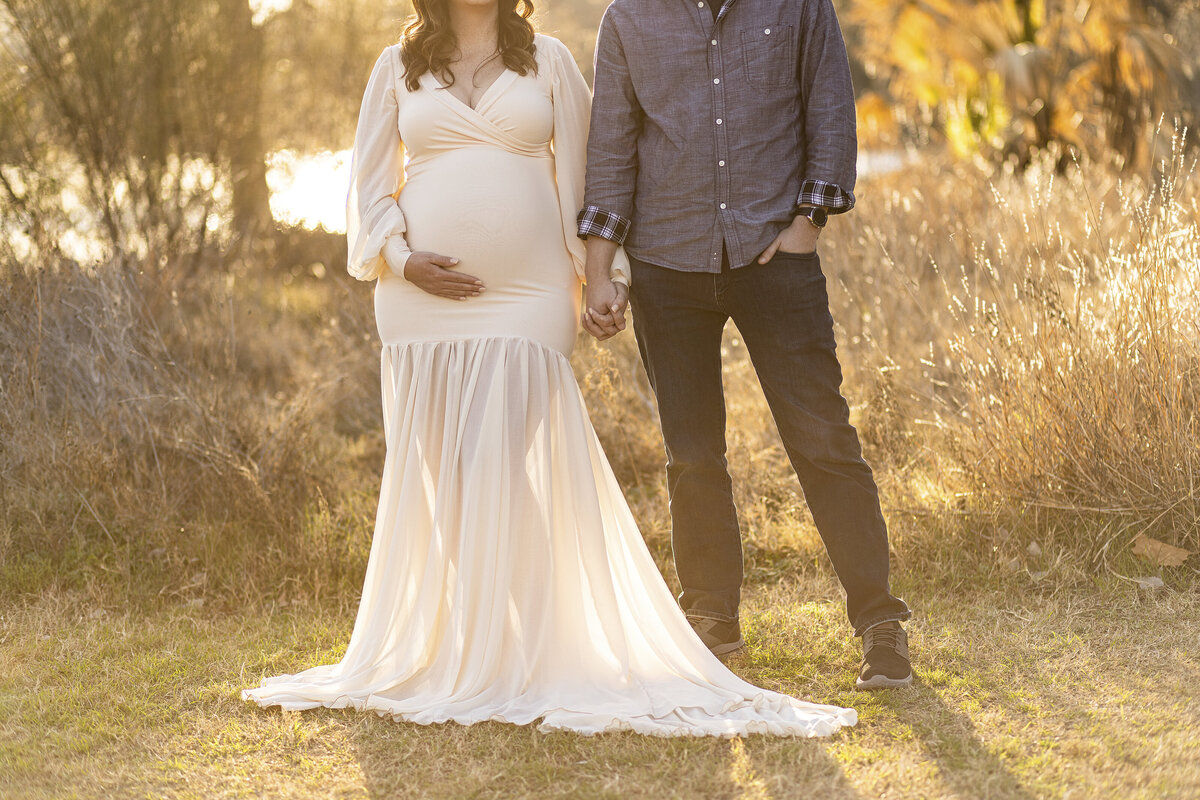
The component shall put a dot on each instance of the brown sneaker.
(885, 662)
(722, 638)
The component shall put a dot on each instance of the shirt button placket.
(717, 73)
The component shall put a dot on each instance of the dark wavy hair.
(428, 43)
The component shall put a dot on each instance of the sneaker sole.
(883, 682)
(728, 647)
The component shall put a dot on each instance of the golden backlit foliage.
(144, 127)
(1021, 353)
(1019, 335)
(1007, 77)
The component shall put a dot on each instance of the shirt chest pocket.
(770, 56)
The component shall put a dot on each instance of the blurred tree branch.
(112, 103)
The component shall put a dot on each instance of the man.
(722, 140)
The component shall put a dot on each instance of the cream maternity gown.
(507, 579)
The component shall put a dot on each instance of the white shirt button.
(716, 80)
(767, 31)
(722, 205)
(700, 5)
(714, 41)
(720, 163)
(719, 121)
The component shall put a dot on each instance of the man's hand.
(604, 304)
(432, 273)
(799, 237)
(603, 300)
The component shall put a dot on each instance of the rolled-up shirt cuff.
(595, 221)
(829, 196)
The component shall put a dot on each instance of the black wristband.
(816, 215)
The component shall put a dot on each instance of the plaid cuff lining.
(594, 221)
(829, 196)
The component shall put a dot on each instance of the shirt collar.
(725, 6)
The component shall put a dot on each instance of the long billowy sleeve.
(572, 110)
(374, 222)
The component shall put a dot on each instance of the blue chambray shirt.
(708, 131)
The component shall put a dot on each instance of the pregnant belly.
(498, 214)
(495, 211)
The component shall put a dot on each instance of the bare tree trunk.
(247, 153)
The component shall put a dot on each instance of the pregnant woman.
(507, 578)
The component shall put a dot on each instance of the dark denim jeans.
(782, 311)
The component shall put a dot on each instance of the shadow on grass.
(949, 737)
(494, 760)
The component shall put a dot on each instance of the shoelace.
(885, 635)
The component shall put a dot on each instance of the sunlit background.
(190, 433)
(180, 342)
(309, 190)
(262, 10)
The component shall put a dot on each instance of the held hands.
(604, 299)
(432, 273)
(799, 237)
(604, 304)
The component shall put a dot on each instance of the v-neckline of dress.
(505, 74)
(490, 129)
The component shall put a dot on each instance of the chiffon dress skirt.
(507, 578)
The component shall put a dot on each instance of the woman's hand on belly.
(434, 273)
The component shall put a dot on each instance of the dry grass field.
(1022, 691)
(188, 468)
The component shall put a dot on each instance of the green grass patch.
(1019, 694)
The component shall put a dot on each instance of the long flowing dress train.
(507, 578)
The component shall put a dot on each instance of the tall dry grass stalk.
(1080, 374)
(170, 434)
(1020, 352)
(1027, 344)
